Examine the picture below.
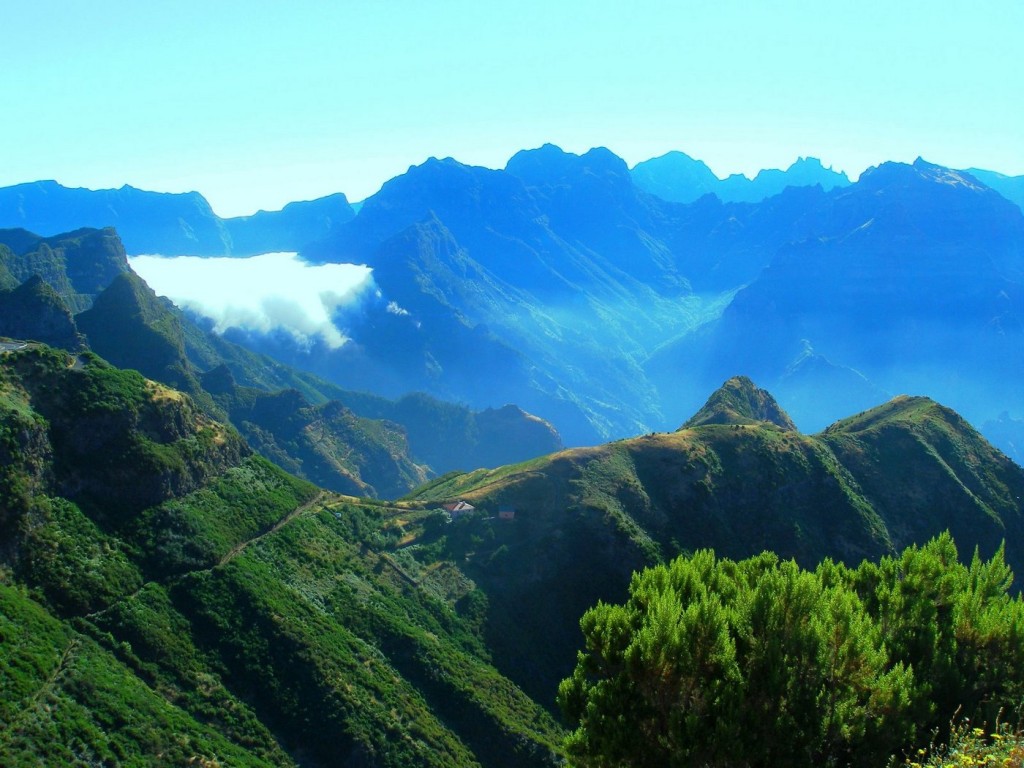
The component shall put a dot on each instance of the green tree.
(759, 663)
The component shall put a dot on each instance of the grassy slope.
(253, 620)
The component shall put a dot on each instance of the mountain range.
(209, 556)
(677, 177)
(166, 223)
(342, 440)
(562, 284)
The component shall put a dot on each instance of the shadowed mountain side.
(586, 518)
(289, 229)
(1010, 187)
(289, 417)
(8, 282)
(33, 310)
(149, 222)
(131, 327)
(326, 443)
(77, 265)
(567, 263)
(448, 437)
(110, 441)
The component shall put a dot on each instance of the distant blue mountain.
(678, 177)
(913, 286)
(168, 224)
(1010, 187)
(568, 285)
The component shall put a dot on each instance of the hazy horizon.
(255, 106)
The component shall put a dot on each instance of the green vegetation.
(326, 443)
(587, 518)
(77, 265)
(226, 613)
(116, 443)
(759, 663)
(972, 746)
(166, 595)
(66, 700)
(198, 530)
(738, 401)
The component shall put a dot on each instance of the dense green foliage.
(198, 530)
(229, 613)
(759, 663)
(115, 442)
(67, 700)
(327, 443)
(33, 310)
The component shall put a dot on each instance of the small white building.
(459, 508)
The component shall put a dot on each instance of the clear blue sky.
(255, 104)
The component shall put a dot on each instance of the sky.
(255, 104)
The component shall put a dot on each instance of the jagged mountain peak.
(740, 401)
(918, 173)
(550, 164)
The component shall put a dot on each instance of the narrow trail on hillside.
(240, 547)
(228, 557)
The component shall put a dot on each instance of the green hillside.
(585, 519)
(167, 597)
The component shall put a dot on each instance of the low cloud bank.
(273, 291)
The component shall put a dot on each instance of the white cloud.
(260, 293)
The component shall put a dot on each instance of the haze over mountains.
(562, 285)
(342, 440)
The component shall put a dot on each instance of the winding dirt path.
(238, 548)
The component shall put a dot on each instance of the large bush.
(760, 663)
